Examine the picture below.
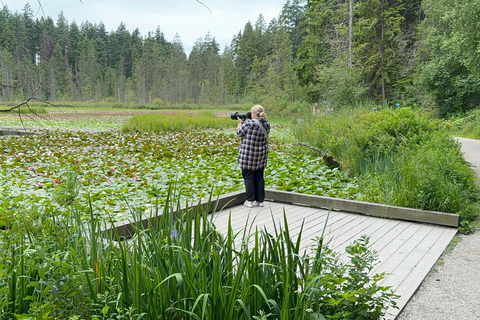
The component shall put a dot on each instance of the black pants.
(254, 184)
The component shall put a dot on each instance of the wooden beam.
(368, 208)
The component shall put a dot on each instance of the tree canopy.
(321, 51)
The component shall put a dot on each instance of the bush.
(401, 157)
(66, 192)
(37, 110)
(430, 176)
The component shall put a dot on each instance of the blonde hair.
(258, 109)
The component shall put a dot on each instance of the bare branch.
(203, 4)
(25, 103)
(40, 8)
(14, 87)
(28, 64)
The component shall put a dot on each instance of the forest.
(330, 52)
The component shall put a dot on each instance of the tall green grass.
(401, 157)
(158, 122)
(178, 266)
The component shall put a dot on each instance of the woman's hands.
(240, 123)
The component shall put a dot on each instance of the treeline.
(331, 52)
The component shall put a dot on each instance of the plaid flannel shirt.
(253, 151)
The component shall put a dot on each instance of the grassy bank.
(401, 157)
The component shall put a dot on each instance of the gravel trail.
(452, 290)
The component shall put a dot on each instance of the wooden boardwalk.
(406, 250)
(408, 241)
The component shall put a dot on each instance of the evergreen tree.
(228, 77)
(292, 17)
(378, 44)
(73, 53)
(177, 74)
(320, 46)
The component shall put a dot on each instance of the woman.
(253, 154)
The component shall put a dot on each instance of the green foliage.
(56, 265)
(402, 158)
(348, 291)
(454, 89)
(340, 63)
(392, 51)
(90, 64)
(430, 176)
(355, 135)
(451, 74)
(65, 192)
(32, 110)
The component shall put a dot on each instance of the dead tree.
(329, 160)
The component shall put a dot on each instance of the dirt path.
(452, 291)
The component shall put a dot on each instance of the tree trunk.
(329, 160)
(350, 34)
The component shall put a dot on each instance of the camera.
(243, 116)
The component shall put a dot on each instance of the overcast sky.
(189, 18)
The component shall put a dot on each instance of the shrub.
(66, 191)
(430, 176)
(37, 110)
(401, 157)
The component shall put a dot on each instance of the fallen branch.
(329, 160)
(25, 103)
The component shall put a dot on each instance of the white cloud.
(189, 18)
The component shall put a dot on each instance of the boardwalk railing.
(368, 208)
(125, 230)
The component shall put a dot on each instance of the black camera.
(243, 116)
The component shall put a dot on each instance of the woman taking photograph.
(253, 154)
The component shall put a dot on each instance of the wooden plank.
(409, 255)
(419, 268)
(381, 238)
(388, 237)
(366, 227)
(394, 252)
